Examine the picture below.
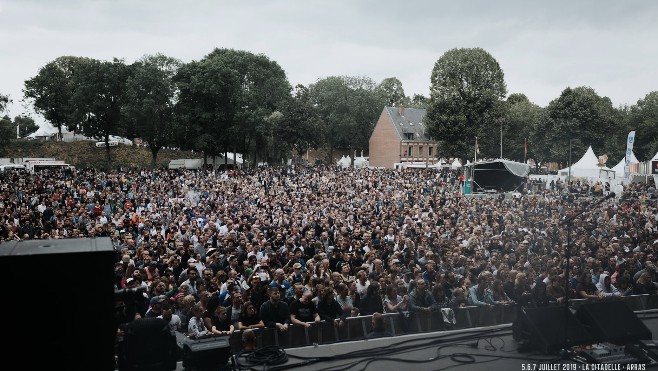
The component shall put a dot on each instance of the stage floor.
(483, 348)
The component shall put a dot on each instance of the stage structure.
(495, 176)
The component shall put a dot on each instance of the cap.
(297, 266)
(157, 300)
(191, 260)
(129, 280)
(395, 261)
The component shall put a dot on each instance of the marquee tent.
(587, 167)
(619, 168)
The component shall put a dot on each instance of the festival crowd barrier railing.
(357, 328)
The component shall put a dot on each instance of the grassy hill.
(86, 154)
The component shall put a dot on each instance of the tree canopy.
(466, 92)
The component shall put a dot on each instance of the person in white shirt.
(173, 320)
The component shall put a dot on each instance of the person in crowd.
(420, 299)
(480, 294)
(249, 318)
(303, 311)
(378, 329)
(372, 302)
(221, 323)
(329, 309)
(196, 328)
(173, 320)
(606, 288)
(498, 294)
(586, 288)
(274, 312)
(644, 285)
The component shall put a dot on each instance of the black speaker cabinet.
(550, 329)
(210, 354)
(612, 321)
(62, 303)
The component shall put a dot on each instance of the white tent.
(587, 167)
(344, 162)
(619, 168)
(456, 164)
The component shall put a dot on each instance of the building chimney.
(401, 110)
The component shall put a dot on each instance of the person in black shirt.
(303, 310)
(274, 312)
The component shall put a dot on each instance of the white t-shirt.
(175, 323)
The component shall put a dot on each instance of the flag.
(477, 147)
(525, 145)
(629, 154)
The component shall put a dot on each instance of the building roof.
(408, 121)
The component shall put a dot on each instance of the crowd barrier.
(357, 328)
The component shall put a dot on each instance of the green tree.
(419, 101)
(393, 92)
(643, 118)
(521, 117)
(231, 95)
(349, 108)
(151, 95)
(582, 116)
(299, 127)
(466, 92)
(99, 96)
(5, 125)
(26, 125)
(51, 91)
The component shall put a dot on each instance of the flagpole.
(525, 149)
(476, 150)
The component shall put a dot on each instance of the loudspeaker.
(612, 321)
(64, 302)
(209, 354)
(550, 329)
(148, 344)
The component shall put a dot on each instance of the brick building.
(399, 137)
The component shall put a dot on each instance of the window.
(429, 151)
(409, 136)
(410, 151)
(420, 151)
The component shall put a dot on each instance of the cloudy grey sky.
(542, 46)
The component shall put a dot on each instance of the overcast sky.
(542, 46)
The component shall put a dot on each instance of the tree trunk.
(108, 158)
(154, 156)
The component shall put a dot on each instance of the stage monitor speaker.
(550, 329)
(148, 344)
(66, 286)
(209, 354)
(612, 321)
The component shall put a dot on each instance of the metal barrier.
(357, 328)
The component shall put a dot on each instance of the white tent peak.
(587, 167)
(588, 161)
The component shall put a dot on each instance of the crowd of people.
(214, 252)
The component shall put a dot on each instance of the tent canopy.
(587, 167)
(499, 175)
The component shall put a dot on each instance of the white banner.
(629, 154)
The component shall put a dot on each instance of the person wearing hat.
(156, 306)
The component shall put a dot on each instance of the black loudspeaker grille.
(550, 329)
(613, 322)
